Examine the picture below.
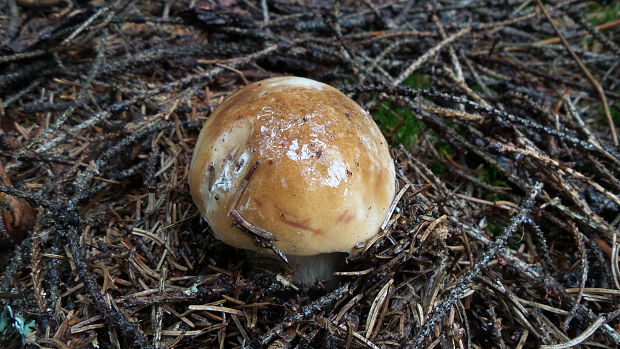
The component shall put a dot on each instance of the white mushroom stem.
(308, 270)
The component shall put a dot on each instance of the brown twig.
(263, 237)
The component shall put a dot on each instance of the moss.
(614, 110)
(478, 89)
(399, 124)
(417, 80)
(437, 167)
(445, 151)
(4, 205)
(494, 229)
(615, 115)
(599, 14)
(493, 176)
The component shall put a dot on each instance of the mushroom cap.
(297, 158)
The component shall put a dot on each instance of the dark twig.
(128, 329)
(583, 261)
(303, 313)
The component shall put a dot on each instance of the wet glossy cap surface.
(324, 180)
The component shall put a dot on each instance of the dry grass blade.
(375, 308)
(579, 339)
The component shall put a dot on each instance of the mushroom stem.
(308, 270)
(305, 271)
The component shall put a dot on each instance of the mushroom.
(297, 165)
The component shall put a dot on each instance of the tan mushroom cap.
(325, 178)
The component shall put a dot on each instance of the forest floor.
(501, 115)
